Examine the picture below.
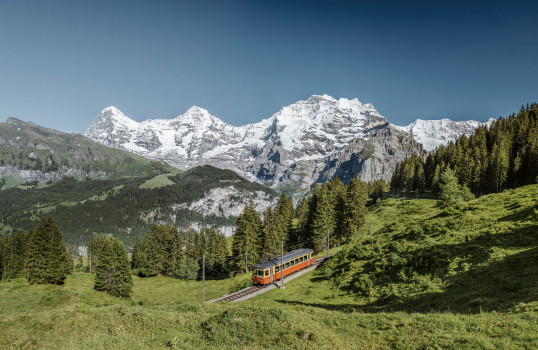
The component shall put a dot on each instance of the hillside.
(128, 207)
(29, 152)
(487, 299)
(479, 256)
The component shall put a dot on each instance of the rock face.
(308, 141)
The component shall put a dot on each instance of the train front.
(262, 272)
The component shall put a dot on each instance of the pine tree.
(355, 209)
(113, 274)
(14, 255)
(323, 220)
(153, 249)
(46, 254)
(284, 214)
(245, 241)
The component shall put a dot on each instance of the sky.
(62, 62)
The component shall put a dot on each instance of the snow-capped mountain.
(434, 133)
(305, 142)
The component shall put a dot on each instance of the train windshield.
(259, 273)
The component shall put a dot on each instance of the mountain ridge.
(291, 149)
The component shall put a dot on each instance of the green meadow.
(463, 277)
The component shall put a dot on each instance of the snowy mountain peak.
(437, 132)
(197, 110)
(112, 114)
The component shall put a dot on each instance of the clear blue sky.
(61, 62)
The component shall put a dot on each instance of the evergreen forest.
(492, 159)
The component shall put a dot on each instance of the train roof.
(277, 259)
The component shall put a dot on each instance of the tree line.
(42, 257)
(331, 210)
(505, 155)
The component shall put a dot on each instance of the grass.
(158, 181)
(482, 255)
(166, 313)
(485, 298)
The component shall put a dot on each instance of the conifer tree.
(452, 192)
(355, 209)
(46, 254)
(323, 220)
(284, 214)
(113, 274)
(272, 231)
(14, 255)
(302, 213)
(245, 243)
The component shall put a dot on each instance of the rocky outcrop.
(22, 175)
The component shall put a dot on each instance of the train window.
(266, 273)
(286, 265)
(259, 273)
(296, 261)
(292, 263)
(277, 268)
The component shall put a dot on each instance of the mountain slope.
(434, 133)
(29, 152)
(128, 207)
(305, 142)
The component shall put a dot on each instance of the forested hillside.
(330, 215)
(128, 207)
(490, 160)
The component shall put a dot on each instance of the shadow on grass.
(485, 280)
(499, 286)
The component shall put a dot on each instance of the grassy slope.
(314, 311)
(31, 147)
(480, 256)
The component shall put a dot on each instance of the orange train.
(269, 270)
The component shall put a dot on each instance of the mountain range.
(305, 142)
(89, 188)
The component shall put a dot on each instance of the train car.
(269, 270)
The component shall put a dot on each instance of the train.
(268, 271)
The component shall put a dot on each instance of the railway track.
(257, 289)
